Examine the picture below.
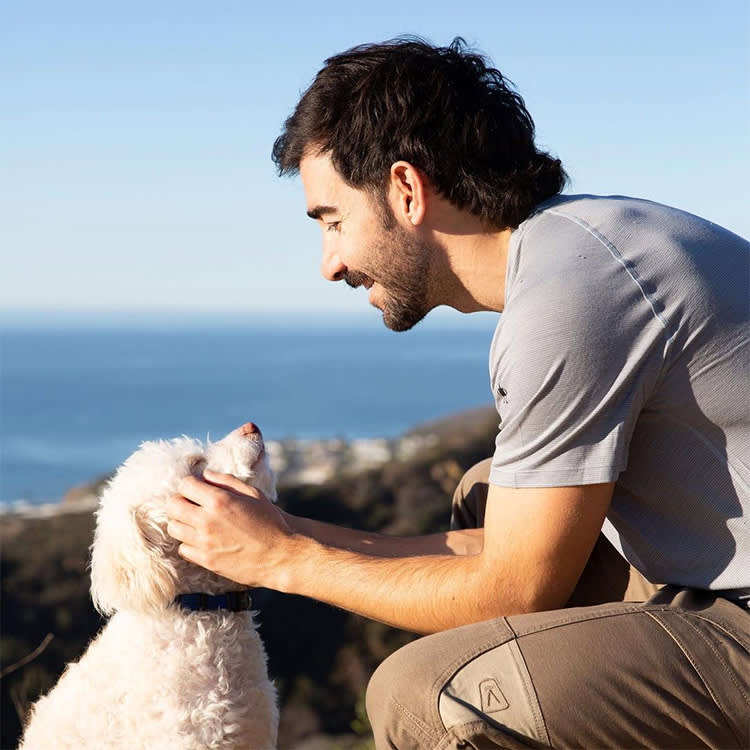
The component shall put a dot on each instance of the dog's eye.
(196, 464)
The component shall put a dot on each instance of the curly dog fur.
(159, 676)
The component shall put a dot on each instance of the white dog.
(160, 676)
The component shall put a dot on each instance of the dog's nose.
(249, 428)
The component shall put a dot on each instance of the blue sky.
(135, 137)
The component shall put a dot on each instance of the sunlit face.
(364, 245)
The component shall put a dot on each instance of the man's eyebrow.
(318, 211)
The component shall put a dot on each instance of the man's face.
(364, 245)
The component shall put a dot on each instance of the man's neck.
(472, 275)
(479, 264)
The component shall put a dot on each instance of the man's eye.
(333, 226)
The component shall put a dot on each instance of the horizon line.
(97, 318)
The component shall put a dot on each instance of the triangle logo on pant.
(491, 696)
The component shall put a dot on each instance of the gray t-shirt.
(623, 354)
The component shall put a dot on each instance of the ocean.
(76, 401)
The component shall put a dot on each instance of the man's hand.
(230, 528)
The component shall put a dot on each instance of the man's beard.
(401, 268)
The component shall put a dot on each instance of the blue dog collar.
(233, 601)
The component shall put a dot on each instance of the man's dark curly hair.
(443, 109)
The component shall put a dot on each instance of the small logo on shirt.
(502, 393)
(492, 698)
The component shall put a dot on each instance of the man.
(619, 369)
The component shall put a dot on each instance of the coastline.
(78, 401)
(295, 461)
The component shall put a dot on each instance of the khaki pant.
(646, 669)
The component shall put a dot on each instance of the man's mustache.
(355, 278)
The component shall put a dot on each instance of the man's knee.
(442, 689)
(397, 701)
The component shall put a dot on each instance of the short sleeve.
(575, 356)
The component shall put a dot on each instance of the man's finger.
(180, 531)
(181, 509)
(197, 491)
(230, 482)
(191, 554)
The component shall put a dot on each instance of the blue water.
(76, 402)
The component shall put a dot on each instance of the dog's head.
(134, 562)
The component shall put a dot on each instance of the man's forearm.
(529, 556)
(459, 542)
(422, 594)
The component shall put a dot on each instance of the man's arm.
(535, 546)
(458, 542)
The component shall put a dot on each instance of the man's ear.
(408, 192)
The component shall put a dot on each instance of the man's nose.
(331, 267)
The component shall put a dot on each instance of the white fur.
(159, 677)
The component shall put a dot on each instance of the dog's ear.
(132, 558)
